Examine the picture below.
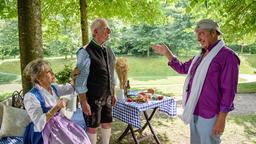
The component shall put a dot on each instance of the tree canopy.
(142, 23)
(136, 24)
(237, 17)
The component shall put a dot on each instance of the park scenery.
(55, 30)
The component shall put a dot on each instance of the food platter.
(144, 96)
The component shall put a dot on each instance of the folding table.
(129, 112)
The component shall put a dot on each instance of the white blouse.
(33, 106)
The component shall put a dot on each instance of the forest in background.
(172, 23)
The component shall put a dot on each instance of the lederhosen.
(99, 85)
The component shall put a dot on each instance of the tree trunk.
(84, 22)
(148, 52)
(30, 35)
(242, 49)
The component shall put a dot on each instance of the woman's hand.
(61, 103)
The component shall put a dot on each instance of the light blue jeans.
(201, 131)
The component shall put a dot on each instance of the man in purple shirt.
(211, 83)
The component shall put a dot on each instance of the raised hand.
(160, 49)
(163, 50)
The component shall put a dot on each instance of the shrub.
(64, 75)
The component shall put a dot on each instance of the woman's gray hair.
(34, 69)
(97, 23)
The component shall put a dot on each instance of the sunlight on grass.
(7, 78)
(162, 80)
(245, 66)
(138, 66)
(12, 67)
(241, 80)
(249, 123)
(4, 96)
(144, 72)
(251, 59)
(147, 78)
(247, 87)
(58, 64)
(149, 66)
(170, 86)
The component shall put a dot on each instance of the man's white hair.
(97, 23)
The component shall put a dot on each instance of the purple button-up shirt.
(220, 84)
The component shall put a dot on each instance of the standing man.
(95, 84)
(210, 86)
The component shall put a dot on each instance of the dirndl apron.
(58, 130)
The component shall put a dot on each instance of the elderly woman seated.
(43, 104)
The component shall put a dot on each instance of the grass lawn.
(13, 67)
(251, 59)
(141, 68)
(138, 66)
(4, 96)
(246, 66)
(58, 64)
(144, 72)
(247, 87)
(249, 123)
(6, 78)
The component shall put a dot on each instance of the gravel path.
(245, 104)
(9, 88)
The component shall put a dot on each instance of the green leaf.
(247, 2)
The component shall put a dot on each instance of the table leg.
(151, 128)
(133, 135)
(128, 128)
(149, 119)
(124, 133)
